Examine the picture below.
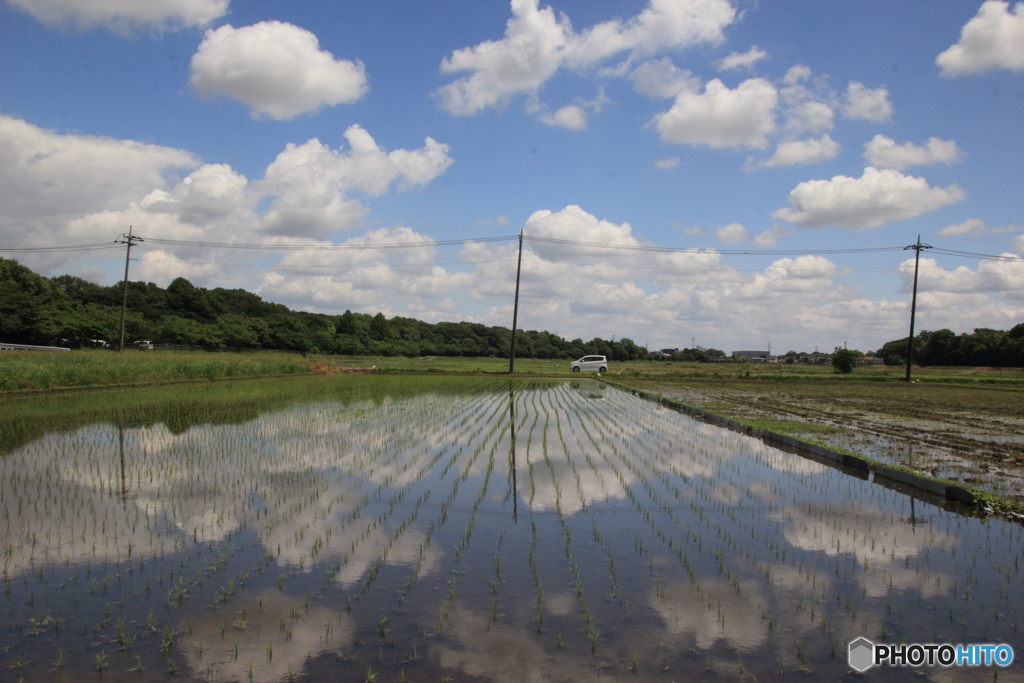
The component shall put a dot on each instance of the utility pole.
(515, 309)
(913, 300)
(129, 241)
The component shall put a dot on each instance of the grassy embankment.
(34, 370)
(40, 370)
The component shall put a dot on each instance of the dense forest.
(35, 309)
(982, 348)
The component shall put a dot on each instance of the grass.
(35, 370)
(793, 426)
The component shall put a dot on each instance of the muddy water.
(523, 531)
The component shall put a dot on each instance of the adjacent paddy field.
(970, 432)
(377, 528)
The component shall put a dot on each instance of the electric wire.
(70, 247)
(328, 247)
(742, 252)
(97, 246)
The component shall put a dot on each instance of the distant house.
(753, 355)
(870, 360)
(669, 352)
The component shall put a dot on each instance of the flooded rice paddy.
(400, 529)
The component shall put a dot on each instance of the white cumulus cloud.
(663, 24)
(861, 102)
(276, 68)
(976, 226)
(208, 194)
(879, 196)
(793, 152)
(537, 44)
(666, 164)
(48, 177)
(312, 182)
(884, 152)
(992, 39)
(721, 117)
(806, 273)
(971, 226)
(662, 78)
(770, 237)
(62, 188)
(731, 234)
(123, 16)
(991, 276)
(569, 116)
(744, 60)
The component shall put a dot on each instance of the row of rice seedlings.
(577, 584)
(463, 543)
(537, 585)
(495, 613)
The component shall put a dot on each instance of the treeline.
(982, 348)
(35, 309)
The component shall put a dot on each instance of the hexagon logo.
(861, 654)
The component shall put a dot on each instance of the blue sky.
(771, 144)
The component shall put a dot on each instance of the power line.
(333, 266)
(98, 246)
(743, 252)
(329, 247)
(72, 247)
(971, 254)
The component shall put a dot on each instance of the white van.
(590, 364)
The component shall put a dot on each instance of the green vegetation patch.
(790, 426)
(36, 370)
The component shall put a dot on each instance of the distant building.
(669, 352)
(753, 355)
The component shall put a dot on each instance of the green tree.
(380, 329)
(188, 301)
(31, 307)
(844, 360)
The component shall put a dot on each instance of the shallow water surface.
(390, 529)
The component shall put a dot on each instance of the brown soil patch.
(324, 369)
